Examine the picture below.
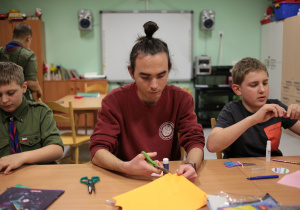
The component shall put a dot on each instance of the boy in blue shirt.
(28, 131)
(244, 126)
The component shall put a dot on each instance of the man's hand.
(138, 165)
(268, 111)
(293, 112)
(11, 162)
(188, 172)
(34, 86)
(39, 93)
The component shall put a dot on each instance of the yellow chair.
(188, 90)
(182, 150)
(213, 122)
(182, 153)
(66, 115)
(99, 88)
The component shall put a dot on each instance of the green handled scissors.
(90, 182)
(151, 162)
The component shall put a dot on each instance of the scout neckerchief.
(12, 45)
(14, 142)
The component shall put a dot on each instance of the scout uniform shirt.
(36, 127)
(16, 53)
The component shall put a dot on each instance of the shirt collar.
(137, 94)
(18, 113)
(12, 45)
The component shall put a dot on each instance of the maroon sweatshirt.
(126, 126)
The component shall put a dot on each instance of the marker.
(263, 177)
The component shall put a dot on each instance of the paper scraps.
(292, 180)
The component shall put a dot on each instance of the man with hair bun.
(147, 115)
(18, 51)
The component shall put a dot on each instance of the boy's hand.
(268, 111)
(11, 162)
(188, 172)
(138, 165)
(293, 112)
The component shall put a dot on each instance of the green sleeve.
(30, 69)
(49, 131)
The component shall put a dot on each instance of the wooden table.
(284, 194)
(83, 105)
(213, 177)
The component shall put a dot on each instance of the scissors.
(233, 164)
(151, 162)
(90, 182)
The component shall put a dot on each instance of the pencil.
(285, 161)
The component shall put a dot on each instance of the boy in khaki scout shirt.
(28, 132)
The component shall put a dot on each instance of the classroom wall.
(72, 48)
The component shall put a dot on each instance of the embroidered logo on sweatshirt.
(166, 131)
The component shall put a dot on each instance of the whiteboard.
(119, 31)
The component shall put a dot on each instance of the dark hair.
(21, 31)
(147, 45)
(244, 66)
(10, 72)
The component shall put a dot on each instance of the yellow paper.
(168, 192)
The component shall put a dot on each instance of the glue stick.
(268, 151)
(166, 163)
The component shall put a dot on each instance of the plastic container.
(265, 21)
(268, 151)
(285, 10)
(166, 163)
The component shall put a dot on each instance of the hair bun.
(150, 27)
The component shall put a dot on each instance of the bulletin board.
(120, 29)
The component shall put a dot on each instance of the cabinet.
(37, 44)
(290, 91)
(271, 55)
(6, 32)
(212, 92)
